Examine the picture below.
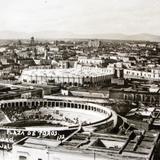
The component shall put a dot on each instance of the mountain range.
(68, 35)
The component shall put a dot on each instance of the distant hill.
(145, 37)
(61, 35)
(13, 35)
(53, 35)
(136, 37)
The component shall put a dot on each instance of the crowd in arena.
(40, 113)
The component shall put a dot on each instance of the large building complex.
(71, 76)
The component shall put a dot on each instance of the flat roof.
(108, 145)
(69, 72)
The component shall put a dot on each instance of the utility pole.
(47, 151)
(94, 155)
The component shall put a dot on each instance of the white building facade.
(154, 74)
(71, 76)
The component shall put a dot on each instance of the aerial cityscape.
(79, 80)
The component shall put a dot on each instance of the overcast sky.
(81, 16)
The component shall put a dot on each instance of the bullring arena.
(42, 114)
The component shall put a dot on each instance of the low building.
(153, 75)
(134, 95)
(94, 61)
(9, 91)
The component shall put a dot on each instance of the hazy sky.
(81, 16)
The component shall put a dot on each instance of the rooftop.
(138, 144)
(69, 72)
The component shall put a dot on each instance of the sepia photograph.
(79, 79)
